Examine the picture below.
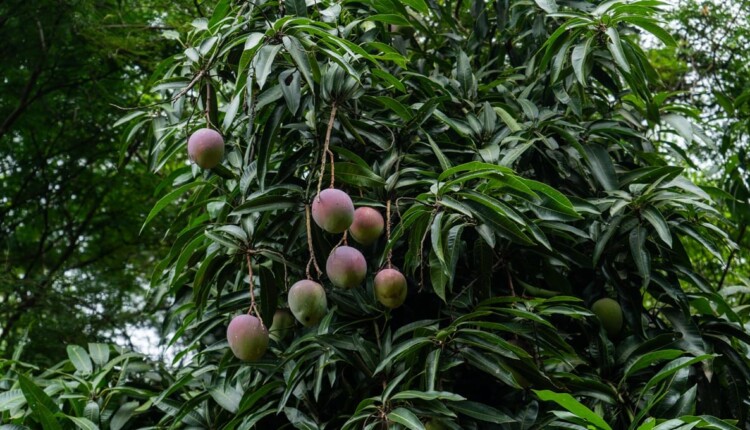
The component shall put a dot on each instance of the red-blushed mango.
(610, 315)
(367, 226)
(333, 210)
(282, 326)
(346, 267)
(307, 301)
(206, 148)
(248, 337)
(390, 288)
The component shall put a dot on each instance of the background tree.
(708, 71)
(73, 263)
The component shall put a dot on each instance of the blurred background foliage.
(71, 205)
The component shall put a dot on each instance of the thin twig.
(333, 168)
(327, 151)
(253, 305)
(731, 256)
(208, 105)
(312, 260)
(388, 232)
(342, 241)
(190, 86)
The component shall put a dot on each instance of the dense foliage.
(523, 153)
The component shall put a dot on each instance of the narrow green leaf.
(357, 175)
(387, 77)
(99, 353)
(296, 7)
(673, 367)
(609, 231)
(395, 106)
(418, 5)
(80, 359)
(480, 411)
(445, 163)
(11, 399)
(408, 347)
(615, 47)
(265, 203)
(268, 294)
(649, 25)
(406, 418)
(601, 166)
(487, 210)
(438, 277)
(573, 406)
(83, 423)
(124, 413)
(650, 359)
(263, 63)
(507, 119)
(227, 397)
(427, 395)
(166, 200)
(683, 127)
(578, 59)
(654, 217)
(436, 237)
(549, 6)
(432, 364)
(41, 405)
(641, 257)
(12, 427)
(464, 75)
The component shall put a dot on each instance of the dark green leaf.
(573, 406)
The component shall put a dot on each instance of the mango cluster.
(346, 267)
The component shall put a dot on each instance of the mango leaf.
(578, 59)
(573, 406)
(615, 47)
(481, 412)
(41, 405)
(124, 413)
(406, 418)
(549, 6)
(654, 217)
(99, 353)
(354, 174)
(83, 423)
(640, 255)
(671, 368)
(408, 347)
(427, 395)
(166, 200)
(601, 166)
(263, 63)
(650, 359)
(227, 397)
(80, 359)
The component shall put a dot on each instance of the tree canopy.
(532, 163)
